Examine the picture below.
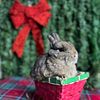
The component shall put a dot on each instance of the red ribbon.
(33, 18)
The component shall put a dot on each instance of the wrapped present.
(55, 89)
(90, 94)
(16, 88)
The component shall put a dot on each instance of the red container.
(48, 91)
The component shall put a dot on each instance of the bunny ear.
(56, 37)
(53, 38)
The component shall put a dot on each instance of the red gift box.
(69, 89)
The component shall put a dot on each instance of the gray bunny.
(60, 60)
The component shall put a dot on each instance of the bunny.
(59, 61)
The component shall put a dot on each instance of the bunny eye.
(61, 49)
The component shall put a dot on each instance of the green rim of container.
(81, 76)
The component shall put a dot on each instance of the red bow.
(32, 18)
